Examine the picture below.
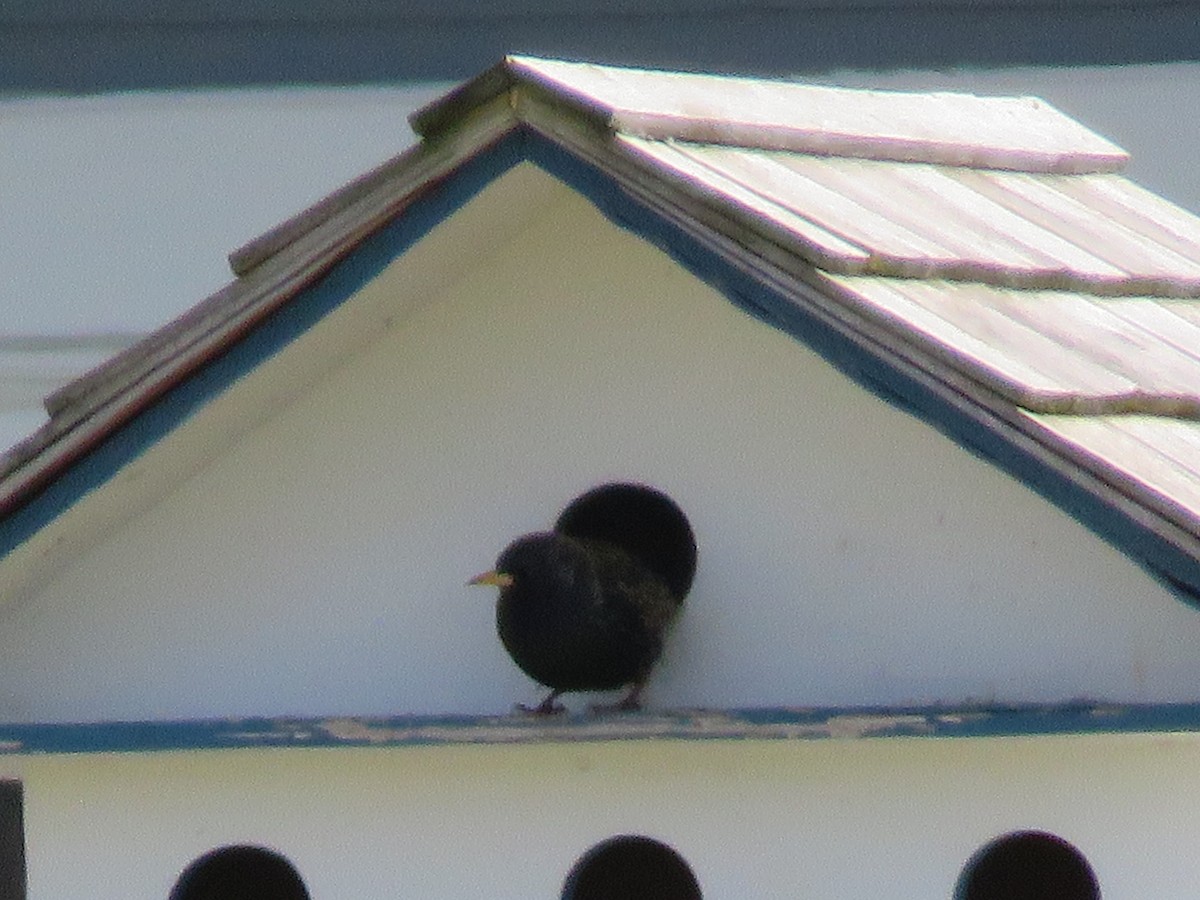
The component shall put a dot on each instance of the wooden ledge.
(776, 723)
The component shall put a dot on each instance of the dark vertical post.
(12, 840)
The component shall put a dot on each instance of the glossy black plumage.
(586, 607)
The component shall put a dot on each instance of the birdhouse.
(919, 371)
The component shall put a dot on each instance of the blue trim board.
(776, 723)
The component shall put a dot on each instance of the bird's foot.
(548, 707)
(554, 709)
(631, 702)
(602, 709)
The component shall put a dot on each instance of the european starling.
(586, 607)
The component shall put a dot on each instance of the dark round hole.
(240, 872)
(642, 521)
(1028, 865)
(631, 867)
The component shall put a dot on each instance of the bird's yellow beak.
(496, 579)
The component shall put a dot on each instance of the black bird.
(586, 607)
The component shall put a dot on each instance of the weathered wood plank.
(1176, 441)
(818, 199)
(1134, 447)
(920, 210)
(1175, 323)
(1087, 328)
(1020, 133)
(930, 221)
(768, 724)
(783, 221)
(1153, 342)
(977, 337)
(1123, 201)
(990, 222)
(1073, 219)
(1044, 346)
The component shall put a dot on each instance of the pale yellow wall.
(315, 560)
(824, 820)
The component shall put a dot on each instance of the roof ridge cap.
(1016, 133)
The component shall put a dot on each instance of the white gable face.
(301, 544)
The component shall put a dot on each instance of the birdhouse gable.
(847, 333)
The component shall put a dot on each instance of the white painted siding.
(848, 553)
(825, 820)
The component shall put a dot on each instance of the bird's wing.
(627, 584)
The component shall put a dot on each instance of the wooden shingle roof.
(980, 261)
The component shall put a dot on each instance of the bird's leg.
(548, 707)
(631, 702)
